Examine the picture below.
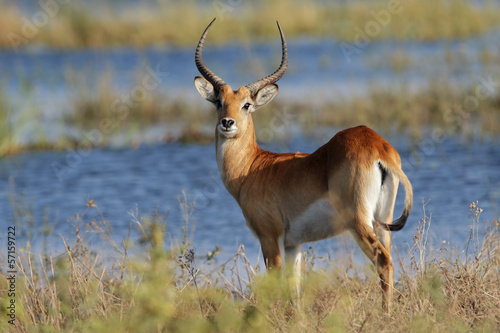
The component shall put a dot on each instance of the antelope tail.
(401, 221)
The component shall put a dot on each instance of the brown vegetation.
(178, 22)
(156, 287)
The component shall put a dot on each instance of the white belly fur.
(319, 221)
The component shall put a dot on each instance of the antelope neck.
(235, 157)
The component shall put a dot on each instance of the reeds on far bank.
(151, 285)
(389, 111)
(399, 110)
(71, 25)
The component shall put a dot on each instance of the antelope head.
(234, 107)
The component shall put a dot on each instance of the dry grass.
(388, 111)
(399, 110)
(179, 22)
(150, 286)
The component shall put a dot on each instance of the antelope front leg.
(292, 264)
(271, 252)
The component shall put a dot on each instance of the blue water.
(152, 177)
(446, 175)
(318, 68)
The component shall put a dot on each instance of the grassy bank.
(157, 286)
(388, 111)
(180, 22)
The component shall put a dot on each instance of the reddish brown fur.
(273, 189)
(350, 183)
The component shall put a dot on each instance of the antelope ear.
(265, 95)
(205, 88)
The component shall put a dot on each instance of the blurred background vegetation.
(39, 31)
(174, 22)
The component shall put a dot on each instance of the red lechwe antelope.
(350, 183)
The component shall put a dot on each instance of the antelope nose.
(227, 122)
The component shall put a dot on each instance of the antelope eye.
(246, 106)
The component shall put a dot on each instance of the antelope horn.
(270, 79)
(207, 73)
